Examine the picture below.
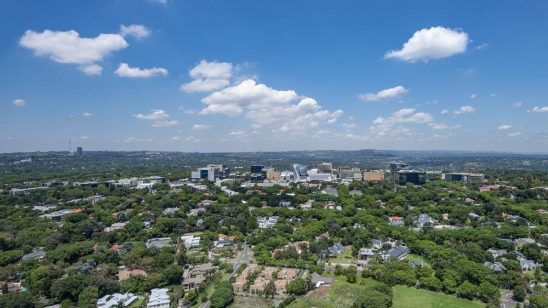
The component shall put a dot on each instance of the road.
(242, 258)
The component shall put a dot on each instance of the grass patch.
(417, 258)
(340, 294)
(405, 297)
(253, 302)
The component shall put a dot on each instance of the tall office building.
(79, 151)
(300, 173)
(395, 167)
(410, 176)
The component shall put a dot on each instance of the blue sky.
(279, 75)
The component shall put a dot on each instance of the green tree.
(88, 297)
(467, 290)
(297, 287)
(519, 293)
(17, 300)
(222, 296)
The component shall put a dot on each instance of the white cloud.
(384, 94)
(473, 95)
(438, 126)
(504, 127)
(158, 117)
(540, 109)
(175, 138)
(68, 47)
(165, 123)
(392, 125)
(464, 109)
(159, 1)
(204, 85)
(349, 125)
(480, 47)
(137, 31)
(200, 126)
(19, 102)
(91, 69)
(124, 70)
(237, 133)
(266, 106)
(444, 111)
(209, 76)
(212, 70)
(84, 137)
(432, 43)
(514, 134)
(517, 104)
(87, 114)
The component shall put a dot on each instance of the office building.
(410, 176)
(256, 168)
(300, 173)
(351, 173)
(211, 173)
(79, 151)
(395, 167)
(373, 176)
(462, 177)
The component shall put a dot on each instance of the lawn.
(417, 258)
(405, 297)
(340, 294)
(254, 302)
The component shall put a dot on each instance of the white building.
(267, 222)
(116, 299)
(158, 298)
(115, 226)
(190, 241)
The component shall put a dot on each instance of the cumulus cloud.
(442, 126)
(158, 117)
(204, 85)
(518, 104)
(267, 106)
(514, 134)
(473, 96)
(209, 76)
(432, 43)
(68, 47)
(91, 70)
(200, 126)
(540, 109)
(392, 125)
(444, 111)
(124, 70)
(464, 109)
(87, 114)
(237, 133)
(384, 94)
(504, 127)
(19, 102)
(137, 31)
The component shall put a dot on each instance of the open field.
(405, 297)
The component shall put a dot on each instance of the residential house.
(190, 241)
(158, 298)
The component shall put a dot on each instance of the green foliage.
(88, 297)
(297, 287)
(222, 296)
(17, 300)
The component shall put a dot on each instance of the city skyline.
(242, 76)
